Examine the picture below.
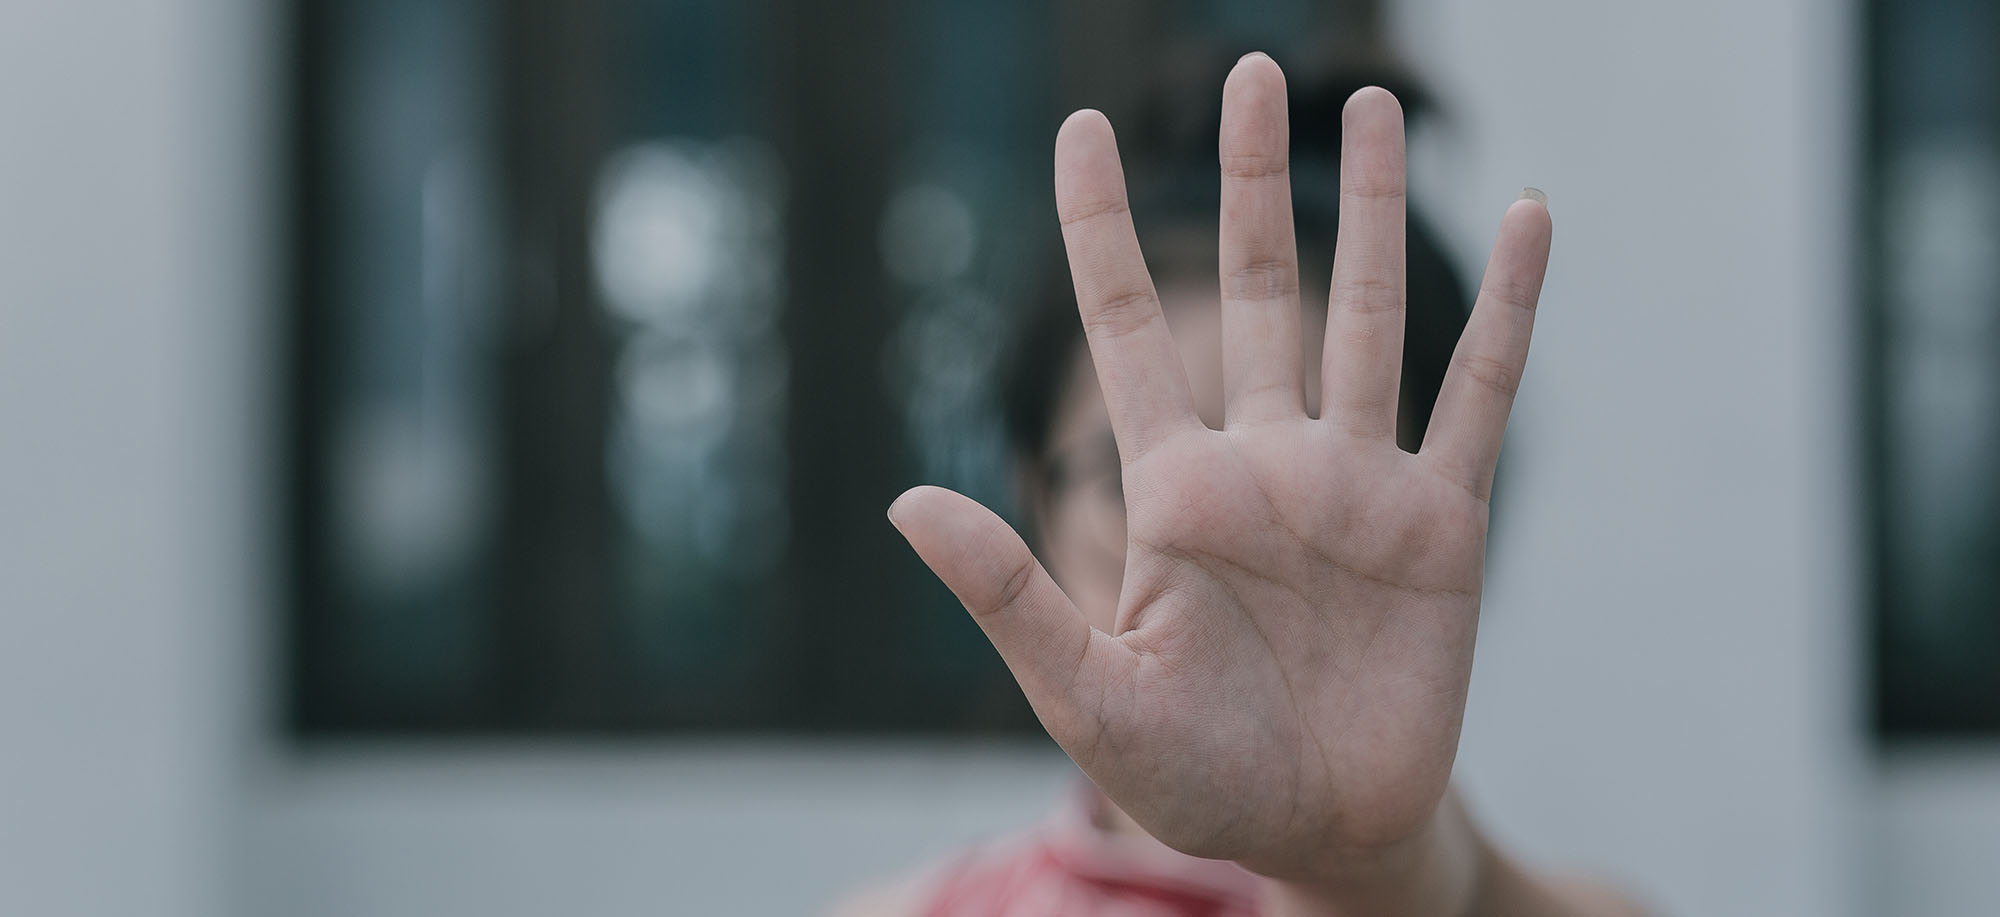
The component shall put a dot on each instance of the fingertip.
(1089, 178)
(898, 508)
(970, 548)
(1368, 103)
(1530, 212)
(1082, 125)
(1085, 135)
(929, 516)
(1255, 88)
(1371, 138)
(1254, 66)
(920, 501)
(1255, 116)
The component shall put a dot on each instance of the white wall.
(1667, 680)
(130, 177)
(1934, 841)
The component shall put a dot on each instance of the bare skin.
(1283, 676)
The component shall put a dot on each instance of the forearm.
(1450, 870)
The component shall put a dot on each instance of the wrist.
(1433, 873)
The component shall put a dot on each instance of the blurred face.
(1080, 501)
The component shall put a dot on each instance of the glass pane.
(1937, 362)
(395, 349)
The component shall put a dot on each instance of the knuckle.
(1515, 294)
(1498, 376)
(1372, 182)
(1254, 166)
(1083, 211)
(1121, 314)
(1262, 279)
(1012, 589)
(1366, 293)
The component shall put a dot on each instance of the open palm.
(1286, 678)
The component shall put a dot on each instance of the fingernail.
(1536, 195)
(1253, 54)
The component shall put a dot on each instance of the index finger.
(1138, 366)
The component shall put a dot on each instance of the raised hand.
(1286, 679)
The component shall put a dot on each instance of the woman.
(1263, 658)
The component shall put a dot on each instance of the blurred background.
(443, 443)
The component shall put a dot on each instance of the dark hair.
(1175, 187)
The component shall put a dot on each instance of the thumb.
(1044, 640)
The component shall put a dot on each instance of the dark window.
(620, 322)
(1932, 343)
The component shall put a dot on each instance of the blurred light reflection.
(688, 250)
(928, 234)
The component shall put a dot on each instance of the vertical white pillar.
(133, 166)
(1667, 689)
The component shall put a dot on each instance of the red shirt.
(1069, 865)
